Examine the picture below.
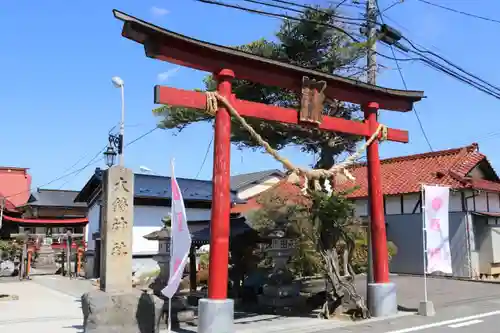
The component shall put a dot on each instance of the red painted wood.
(197, 100)
(46, 221)
(187, 56)
(378, 232)
(221, 199)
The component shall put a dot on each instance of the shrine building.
(44, 214)
(474, 207)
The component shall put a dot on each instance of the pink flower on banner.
(435, 252)
(435, 224)
(175, 191)
(180, 221)
(437, 203)
(177, 263)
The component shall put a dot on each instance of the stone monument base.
(215, 316)
(130, 312)
(181, 311)
(382, 299)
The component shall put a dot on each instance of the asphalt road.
(460, 307)
(481, 315)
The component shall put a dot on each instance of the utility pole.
(371, 78)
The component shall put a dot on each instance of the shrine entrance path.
(40, 308)
(51, 304)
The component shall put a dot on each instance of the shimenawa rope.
(313, 174)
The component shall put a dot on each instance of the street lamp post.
(118, 83)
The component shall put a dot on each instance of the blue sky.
(58, 103)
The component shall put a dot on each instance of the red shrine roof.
(175, 48)
(15, 186)
(456, 168)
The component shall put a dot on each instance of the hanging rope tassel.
(296, 172)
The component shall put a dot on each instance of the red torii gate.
(227, 63)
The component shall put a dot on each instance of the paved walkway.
(38, 309)
(52, 304)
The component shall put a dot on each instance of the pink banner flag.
(436, 224)
(181, 239)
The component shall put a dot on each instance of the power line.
(423, 58)
(441, 68)
(306, 7)
(292, 18)
(282, 16)
(460, 12)
(406, 87)
(395, 3)
(205, 158)
(91, 162)
(88, 163)
(142, 136)
(449, 63)
(83, 157)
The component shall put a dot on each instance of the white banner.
(181, 239)
(436, 224)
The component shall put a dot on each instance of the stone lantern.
(181, 312)
(163, 236)
(280, 290)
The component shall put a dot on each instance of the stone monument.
(117, 306)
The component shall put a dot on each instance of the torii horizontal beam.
(166, 45)
(197, 100)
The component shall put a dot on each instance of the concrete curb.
(449, 278)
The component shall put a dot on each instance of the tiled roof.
(152, 186)
(54, 198)
(15, 186)
(405, 174)
(159, 187)
(245, 179)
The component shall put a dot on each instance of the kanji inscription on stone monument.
(116, 233)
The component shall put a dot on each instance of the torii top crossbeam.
(175, 48)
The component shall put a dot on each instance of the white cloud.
(158, 11)
(163, 77)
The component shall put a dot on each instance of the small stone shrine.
(181, 311)
(117, 306)
(280, 290)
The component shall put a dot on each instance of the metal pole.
(371, 78)
(122, 124)
(424, 244)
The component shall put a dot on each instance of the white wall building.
(248, 185)
(152, 203)
(474, 207)
(152, 200)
